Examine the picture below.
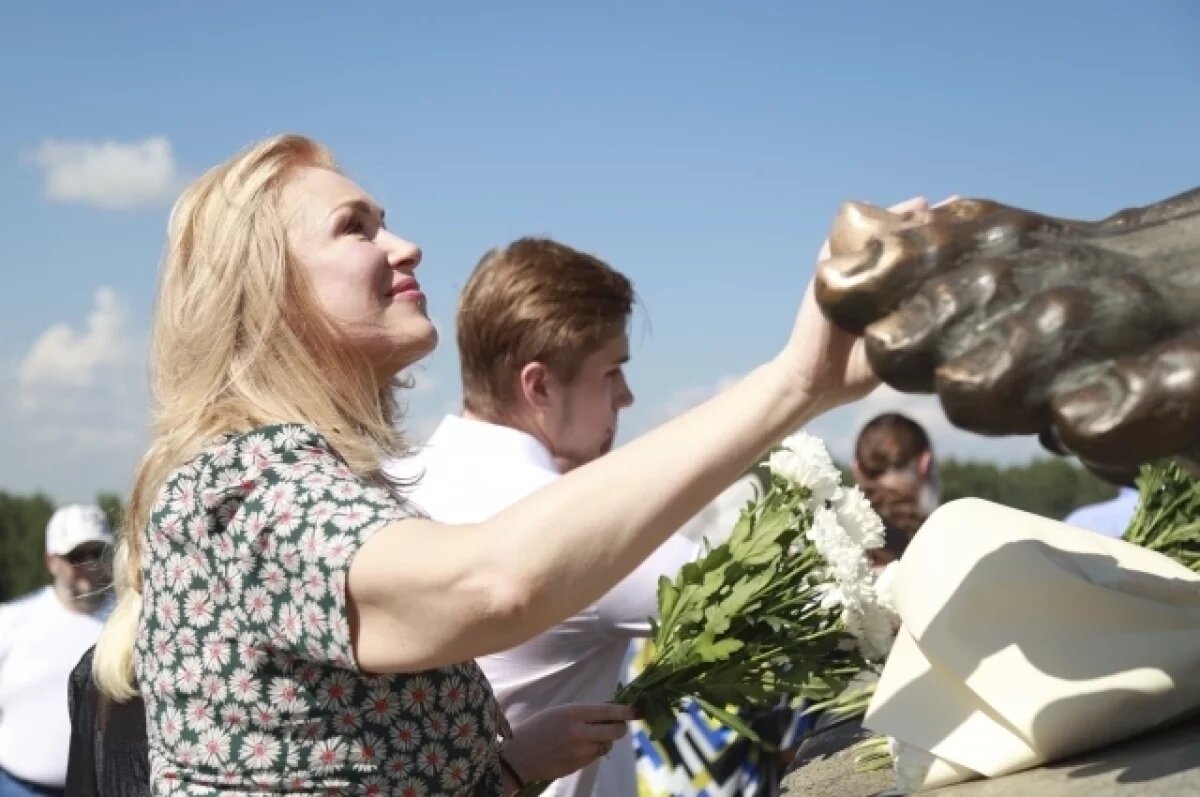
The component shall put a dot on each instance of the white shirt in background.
(1110, 518)
(41, 641)
(471, 470)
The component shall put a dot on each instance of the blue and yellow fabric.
(702, 758)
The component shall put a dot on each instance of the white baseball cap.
(74, 525)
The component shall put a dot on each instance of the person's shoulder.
(255, 451)
(19, 609)
(265, 440)
(465, 446)
(252, 448)
(464, 490)
(231, 467)
(26, 602)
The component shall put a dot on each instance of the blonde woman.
(291, 621)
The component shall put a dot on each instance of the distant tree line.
(1049, 487)
(23, 522)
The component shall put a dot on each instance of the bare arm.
(424, 594)
(429, 594)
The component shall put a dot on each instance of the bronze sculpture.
(1087, 333)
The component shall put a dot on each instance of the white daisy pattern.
(245, 644)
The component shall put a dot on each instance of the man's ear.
(854, 471)
(924, 463)
(533, 385)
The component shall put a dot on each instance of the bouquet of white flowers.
(785, 606)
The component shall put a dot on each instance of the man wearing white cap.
(42, 636)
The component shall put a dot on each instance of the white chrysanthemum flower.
(784, 463)
(911, 764)
(852, 619)
(846, 559)
(843, 529)
(859, 519)
(878, 632)
(829, 596)
(872, 625)
(805, 460)
(885, 584)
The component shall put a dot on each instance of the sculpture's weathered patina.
(1085, 332)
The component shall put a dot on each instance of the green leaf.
(718, 651)
(872, 754)
(743, 527)
(744, 591)
(731, 720)
(762, 546)
(668, 597)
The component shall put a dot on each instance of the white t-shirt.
(41, 641)
(471, 470)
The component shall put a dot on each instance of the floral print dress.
(244, 655)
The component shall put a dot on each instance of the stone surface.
(1161, 764)
(1164, 763)
(824, 767)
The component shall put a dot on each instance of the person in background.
(42, 636)
(1110, 518)
(543, 339)
(895, 467)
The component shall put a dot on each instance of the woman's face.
(361, 273)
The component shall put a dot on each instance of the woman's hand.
(564, 739)
(830, 363)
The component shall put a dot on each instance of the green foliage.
(23, 543)
(23, 522)
(740, 626)
(1167, 519)
(111, 504)
(1047, 487)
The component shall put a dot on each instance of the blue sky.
(702, 148)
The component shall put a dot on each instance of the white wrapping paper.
(1025, 640)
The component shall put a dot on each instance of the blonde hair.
(239, 341)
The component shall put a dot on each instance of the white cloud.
(684, 399)
(82, 413)
(65, 358)
(107, 174)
